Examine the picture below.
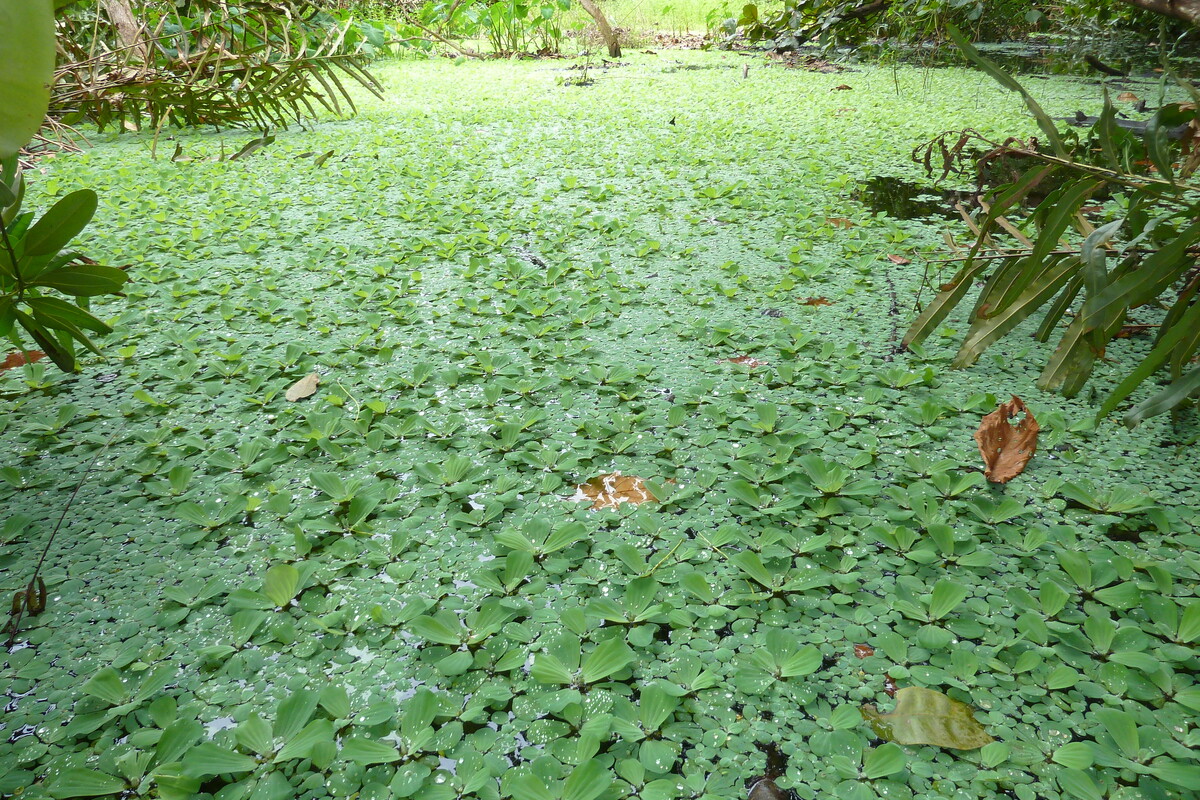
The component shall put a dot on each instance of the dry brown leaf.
(303, 388)
(1128, 97)
(815, 301)
(1133, 330)
(746, 361)
(1007, 448)
(839, 222)
(898, 260)
(613, 489)
(863, 650)
(841, 87)
(18, 359)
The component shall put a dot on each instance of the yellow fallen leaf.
(745, 361)
(613, 489)
(303, 388)
(925, 716)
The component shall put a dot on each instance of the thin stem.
(14, 624)
(12, 258)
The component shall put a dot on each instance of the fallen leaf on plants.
(1133, 330)
(1128, 97)
(889, 686)
(19, 359)
(303, 388)
(863, 650)
(841, 87)
(925, 716)
(815, 301)
(613, 489)
(839, 222)
(901, 260)
(746, 361)
(1007, 448)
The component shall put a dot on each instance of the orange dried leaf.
(815, 301)
(613, 489)
(1007, 448)
(1128, 97)
(745, 361)
(1133, 330)
(898, 260)
(19, 359)
(305, 387)
(839, 222)
(864, 650)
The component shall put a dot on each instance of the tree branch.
(1186, 10)
(464, 50)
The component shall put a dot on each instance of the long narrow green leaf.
(1188, 324)
(1106, 128)
(1008, 273)
(1060, 216)
(1008, 82)
(1094, 258)
(1068, 360)
(1178, 308)
(1158, 144)
(1059, 307)
(1158, 271)
(986, 331)
(1172, 396)
(945, 302)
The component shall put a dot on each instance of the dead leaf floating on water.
(863, 650)
(839, 222)
(1007, 448)
(1128, 97)
(19, 359)
(901, 260)
(745, 361)
(613, 489)
(923, 716)
(303, 388)
(816, 301)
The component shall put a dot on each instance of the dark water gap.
(905, 199)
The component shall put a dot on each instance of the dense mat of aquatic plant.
(507, 287)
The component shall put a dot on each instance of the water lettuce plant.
(385, 588)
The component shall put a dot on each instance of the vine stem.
(14, 624)
(12, 257)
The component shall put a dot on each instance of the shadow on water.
(1051, 57)
(901, 199)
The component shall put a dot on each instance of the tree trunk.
(606, 32)
(129, 30)
(1186, 10)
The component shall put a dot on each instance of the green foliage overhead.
(27, 64)
(261, 64)
(1142, 252)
